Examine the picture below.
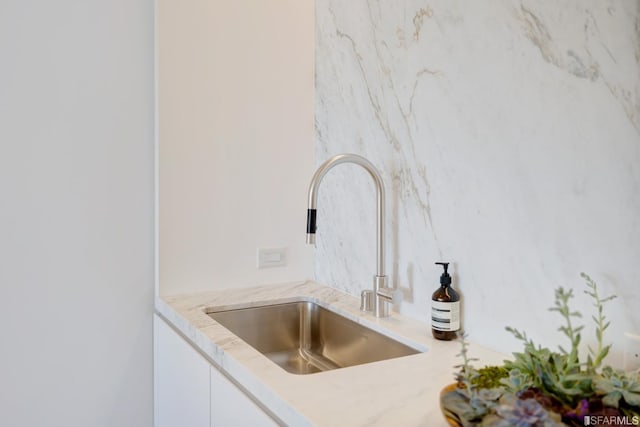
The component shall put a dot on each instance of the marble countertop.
(402, 391)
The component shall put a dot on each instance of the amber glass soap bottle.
(445, 308)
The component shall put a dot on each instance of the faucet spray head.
(311, 226)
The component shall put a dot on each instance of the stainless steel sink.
(304, 338)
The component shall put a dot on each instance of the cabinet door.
(182, 389)
(230, 407)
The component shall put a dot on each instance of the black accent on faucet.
(311, 221)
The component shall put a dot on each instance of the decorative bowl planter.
(447, 406)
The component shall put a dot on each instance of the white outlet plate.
(271, 257)
(631, 359)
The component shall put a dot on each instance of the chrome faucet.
(378, 300)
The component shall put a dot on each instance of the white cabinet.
(189, 391)
(182, 389)
(230, 407)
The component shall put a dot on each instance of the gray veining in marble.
(508, 136)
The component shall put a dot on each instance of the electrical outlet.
(271, 257)
(631, 360)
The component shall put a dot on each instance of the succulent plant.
(544, 388)
(517, 381)
(517, 412)
(556, 373)
(479, 401)
(614, 385)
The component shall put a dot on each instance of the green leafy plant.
(546, 387)
(596, 357)
(572, 332)
(490, 377)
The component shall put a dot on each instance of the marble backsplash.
(508, 137)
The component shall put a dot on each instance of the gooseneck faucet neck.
(380, 290)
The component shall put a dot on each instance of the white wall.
(76, 213)
(235, 140)
(508, 134)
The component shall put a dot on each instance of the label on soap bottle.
(445, 316)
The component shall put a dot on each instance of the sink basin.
(304, 338)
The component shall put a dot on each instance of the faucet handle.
(382, 289)
(366, 300)
(388, 294)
